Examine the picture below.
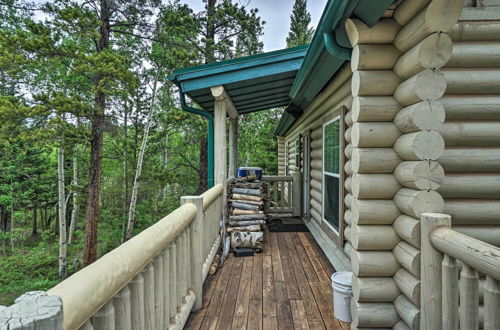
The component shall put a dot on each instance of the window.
(331, 172)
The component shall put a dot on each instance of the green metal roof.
(254, 83)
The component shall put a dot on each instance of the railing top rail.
(277, 178)
(481, 256)
(211, 195)
(86, 291)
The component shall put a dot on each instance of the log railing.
(152, 281)
(284, 193)
(450, 298)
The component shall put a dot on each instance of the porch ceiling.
(254, 83)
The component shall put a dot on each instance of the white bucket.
(342, 293)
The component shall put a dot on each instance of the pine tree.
(300, 33)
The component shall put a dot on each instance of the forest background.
(93, 144)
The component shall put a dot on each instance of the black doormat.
(287, 225)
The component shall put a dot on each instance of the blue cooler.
(246, 171)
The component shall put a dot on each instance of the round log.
(408, 285)
(408, 257)
(424, 145)
(348, 218)
(374, 135)
(374, 160)
(475, 31)
(438, 16)
(317, 133)
(471, 133)
(426, 85)
(471, 108)
(488, 234)
(401, 325)
(374, 289)
(317, 144)
(317, 154)
(381, 33)
(425, 115)
(473, 211)
(474, 186)
(373, 57)
(373, 315)
(374, 108)
(348, 168)
(348, 118)
(482, 54)
(472, 160)
(348, 249)
(373, 212)
(432, 52)
(374, 83)
(408, 9)
(347, 184)
(348, 199)
(347, 135)
(316, 163)
(373, 238)
(374, 186)
(408, 228)
(347, 231)
(415, 202)
(475, 82)
(420, 175)
(373, 263)
(317, 175)
(408, 312)
(348, 151)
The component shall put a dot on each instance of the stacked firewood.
(246, 198)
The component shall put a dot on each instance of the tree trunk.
(125, 172)
(34, 229)
(76, 206)
(203, 169)
(140, 159)
(96, 145)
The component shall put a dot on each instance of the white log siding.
(281, 156)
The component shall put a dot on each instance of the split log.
(408, 312)
(471, 108)
(420, 175)
(373, 315)
(246, 223)
(471, 133)
(408, 257)
(415, 202)
(408, 228)
(243, 206)
(426, 85)
(248, 217)
(425, 115)
(374, 83)
(252, 240)
(374, 289)
(374, 108)
(374, 135)
(473, 212)
(247, 197)
(470, 160)
(251, 185)
(373, 57)
(373, 212)
(381, 33)
(432, 52)
(488, 234)
(348, 151)
(373, 238)
(246, 202)
(373, 263)
(374, 186)
(245, 191)
(408, 285)
(424, 145)
(475, 82)
(473, 186)
(408, 9)
(240, 229)
(482, 54)
(374, 160)
(475, 31)
(243, 212)
(438, 16)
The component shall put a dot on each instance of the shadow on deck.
(287, 286)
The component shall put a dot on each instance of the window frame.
(339, 176)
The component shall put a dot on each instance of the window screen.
(331, 177)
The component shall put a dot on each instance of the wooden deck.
(287, 286)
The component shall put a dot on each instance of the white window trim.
(335, 230)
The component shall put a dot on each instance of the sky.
(276, 13)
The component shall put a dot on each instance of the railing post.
(431, 272)
(297, 194)
(196, 247)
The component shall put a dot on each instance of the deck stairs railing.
(460, 278)
(284, 194)
(152, 281)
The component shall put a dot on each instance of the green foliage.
(300, 33)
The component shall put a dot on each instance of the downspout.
(335, 49)
(210, 119)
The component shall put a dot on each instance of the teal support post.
(210, 119)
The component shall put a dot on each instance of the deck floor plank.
(287, 286)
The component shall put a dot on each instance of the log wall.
(281, 156)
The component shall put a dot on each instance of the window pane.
(331, 142)
(331, 200)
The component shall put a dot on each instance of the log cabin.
(388, 149)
